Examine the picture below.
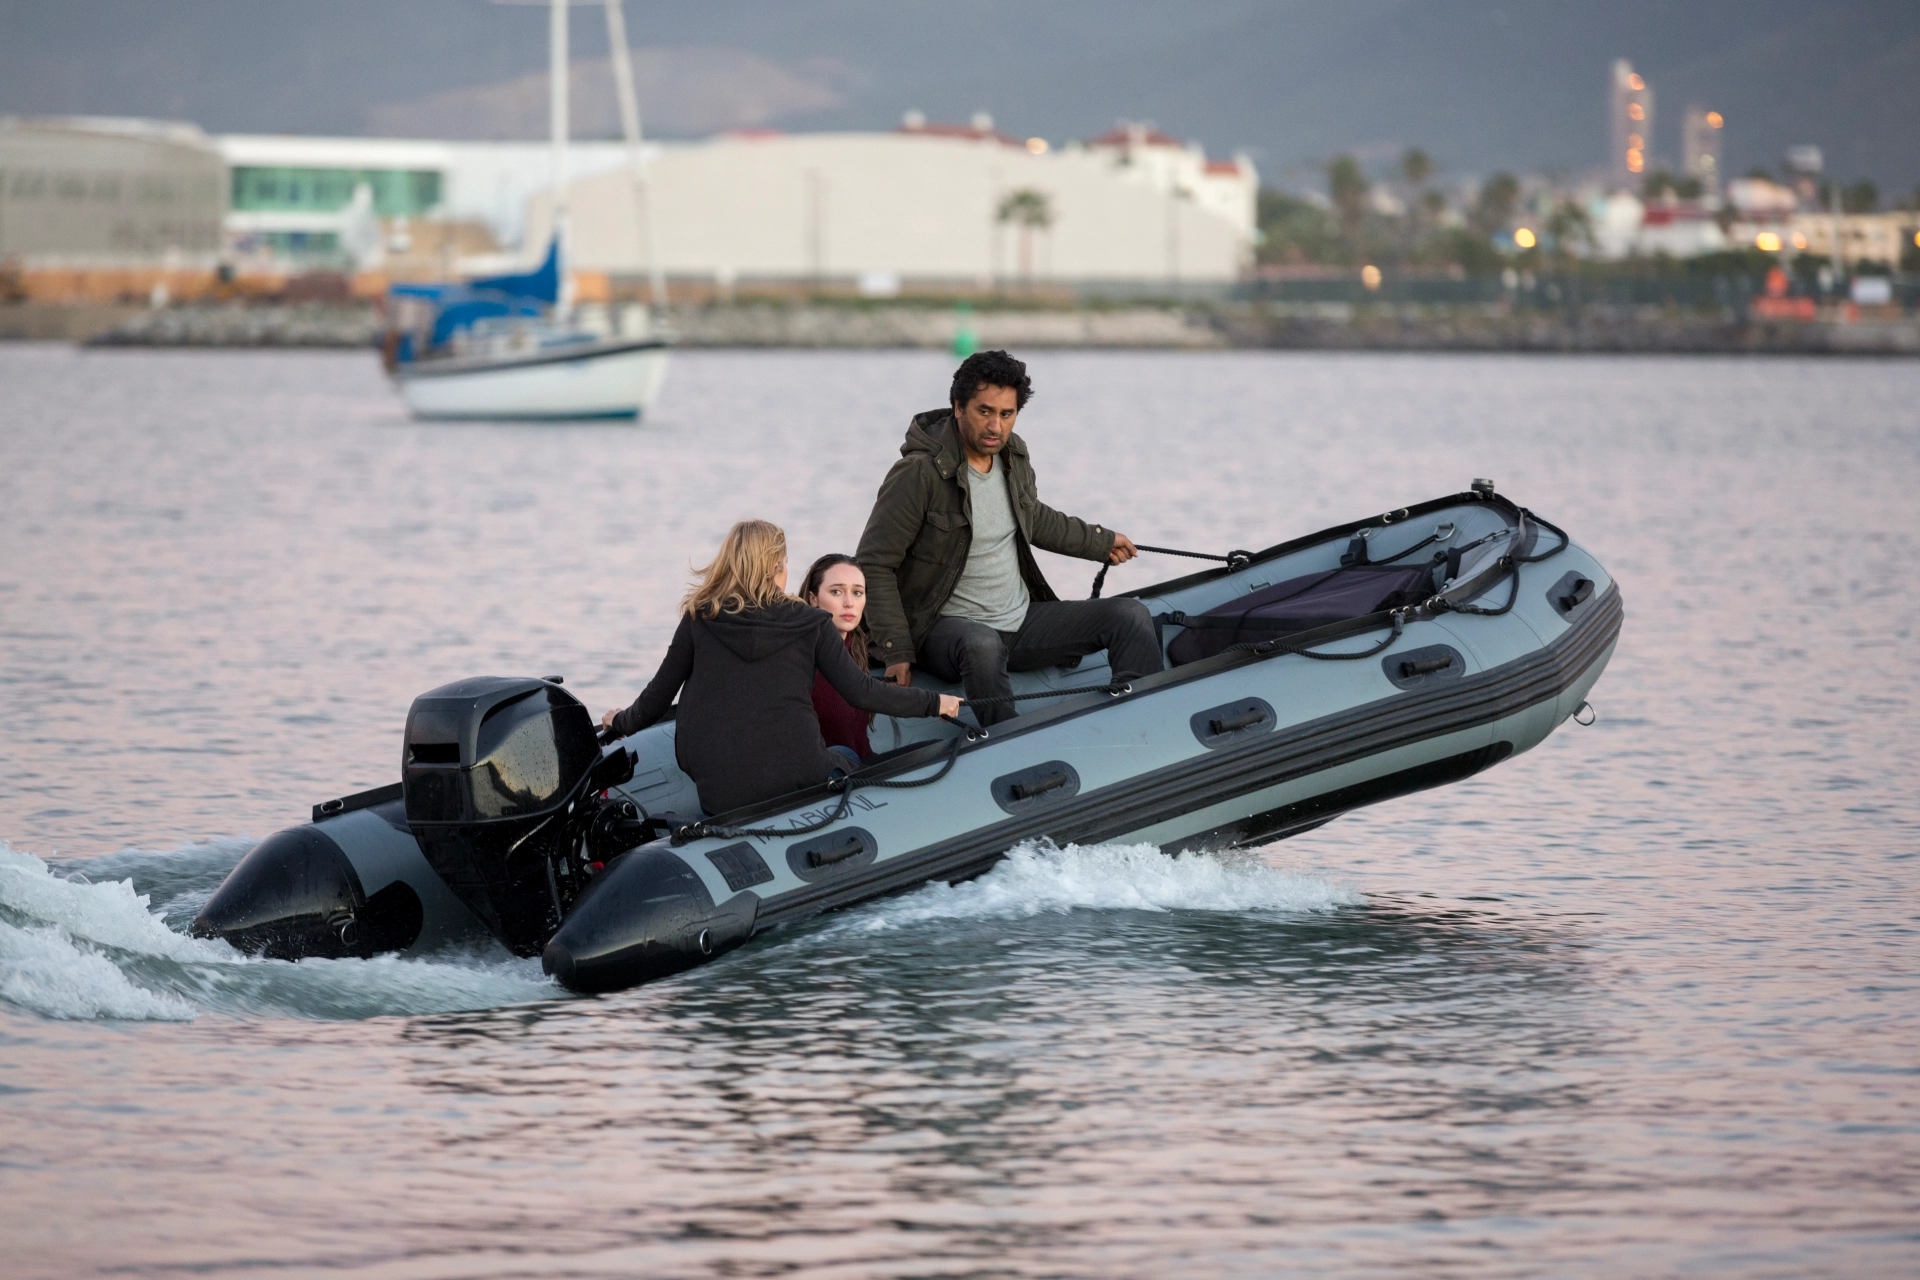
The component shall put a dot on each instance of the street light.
(1525, 238)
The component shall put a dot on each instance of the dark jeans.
(978, 657)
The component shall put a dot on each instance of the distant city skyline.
(1480, 84)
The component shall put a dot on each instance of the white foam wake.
(74, 949)
(1038, 877)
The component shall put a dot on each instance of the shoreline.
(1588, 329)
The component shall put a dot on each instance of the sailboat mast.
(557, 117)
(630, 125)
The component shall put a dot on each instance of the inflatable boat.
(1365, 662)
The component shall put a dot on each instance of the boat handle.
(1245, 720)
(827, 857)
(1578, 596)
(1426, 666)
(1039, 786)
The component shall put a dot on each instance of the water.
(1639, 1002)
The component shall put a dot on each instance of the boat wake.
(104, 939)
(1040, 877)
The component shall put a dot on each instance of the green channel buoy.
(965, 340)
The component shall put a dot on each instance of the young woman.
(836, 584)
(743, 662)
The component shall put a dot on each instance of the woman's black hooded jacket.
(746, 730)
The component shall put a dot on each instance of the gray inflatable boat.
(1364, 662)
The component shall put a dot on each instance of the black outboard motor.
(500, 775)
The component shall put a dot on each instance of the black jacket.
(917, 539)
(746, 728)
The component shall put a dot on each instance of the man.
(951, 580)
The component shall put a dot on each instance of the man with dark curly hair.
(952, 584)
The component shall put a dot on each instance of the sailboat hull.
(612, 379)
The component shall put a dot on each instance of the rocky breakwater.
(929, 327)
(246, 325)
(1590, 328)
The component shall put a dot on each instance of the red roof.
(966, 131)
(1123, 137)
(1223, 166)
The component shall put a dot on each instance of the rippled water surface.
(1643, 1001)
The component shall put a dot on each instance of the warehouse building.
(94, 192)
(925, 204)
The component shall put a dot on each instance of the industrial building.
(92, 192)
(921, 205)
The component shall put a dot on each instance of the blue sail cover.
(542, 284)
(460, 304)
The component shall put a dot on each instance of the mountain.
(1482, 84)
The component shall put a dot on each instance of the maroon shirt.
(840, 724)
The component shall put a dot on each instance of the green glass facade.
(397, 193)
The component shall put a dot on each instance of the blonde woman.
(743, 662)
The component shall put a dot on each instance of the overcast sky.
(1482, 84)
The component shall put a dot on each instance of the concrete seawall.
(1243, 326)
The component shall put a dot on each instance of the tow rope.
(1233, 560)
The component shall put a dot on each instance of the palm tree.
(1348, 187)
(1570, 226)
(1031, 211)
(1416, 167)
(1496, 205)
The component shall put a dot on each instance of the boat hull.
(1136, 778)
(602, 380)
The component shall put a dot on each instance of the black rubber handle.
(1039, 786)
(1578, 596)
(1245, 719)
(1426, 666)
(827, 857)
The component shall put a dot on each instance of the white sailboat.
(512, 347)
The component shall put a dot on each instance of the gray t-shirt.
(990, 589)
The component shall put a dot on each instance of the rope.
(1398, 619)
(1115, 689)
(1554, 529)
(1233, 560)
(846, 786)
(1513, 592)
(1511, 563)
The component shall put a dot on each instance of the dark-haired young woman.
(836, 584)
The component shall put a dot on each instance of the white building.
(1625, 226)
(919, 204)
(1141, 153)
(1884, 238)
(103, 192)
(295, 194)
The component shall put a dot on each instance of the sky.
(1481, 84)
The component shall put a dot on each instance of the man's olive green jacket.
(917, 538)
